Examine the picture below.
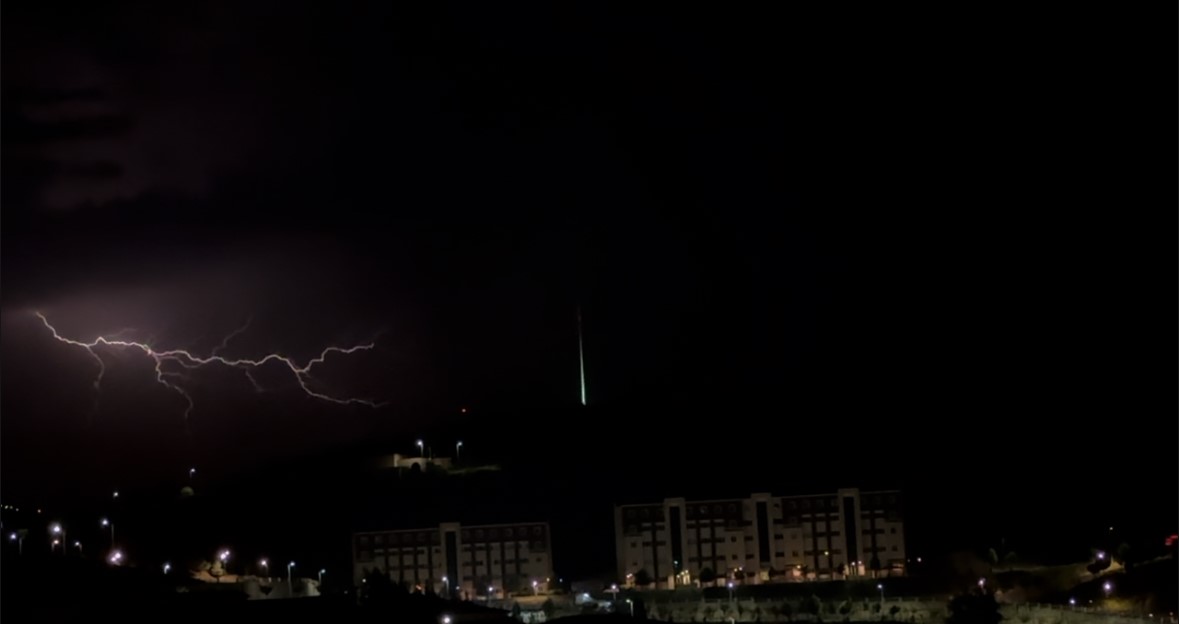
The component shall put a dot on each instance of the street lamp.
(982, 583)
(191, 472)
(533, 588)
(1101, 555)
(167, 567)
(632, 606)
(116, 557)
(421, 448)
(57, 529)
(321, 571)
(614, 591)
(730, 586)
(445, 619)
(446, 586)
(289, 566)
(19, 538)
(108, 523)
(265, 567)
(880, 586)
(458, 449)
(78, 545)
(490, 593)
(1108, 587)
(1072, 602)
(115, 495)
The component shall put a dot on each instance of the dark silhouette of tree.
(974, 608)
(548, 608)
(894, 610)
(811, 605)
(707, 575)
(643, 578)
(1001, 555)
(516, 612)
(786, 611)
(1123, 554)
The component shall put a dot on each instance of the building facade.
(464, 561)
(762, 538)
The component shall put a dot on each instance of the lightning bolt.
(188, 360)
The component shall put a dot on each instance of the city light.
(116, 557)
(167, 567)
(1108, 587)
(1072, 601)
(1100, 555)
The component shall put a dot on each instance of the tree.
(974, 608)
(786, 611)
(893, 611)
(1001, 555)
(707, 575)
(548, 608)
(811, 605)
(1123, 554)
(643, 578)
(516, 612)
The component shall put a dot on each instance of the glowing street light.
(533, 588)
(19, 538)
(445, 619)
(490, 593)
(321, 572)
(1072, 602)
(289, 566)
(730, 586)
(78, 545)
(632, 606)
(57, 529)
(265, 566)
(167, 567)
(115, 495)
(108, 523)
(458, 449)
(421, 448)
(116, 557)
(1108, 587)
(982, 583)
(880, 586)
(614, 591)
(1101, 555)
(446, 586)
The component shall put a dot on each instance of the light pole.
(730, 586)
(290, 586)
(116, 557)
(614, 592)
(321, 571)
(108, 523)
(78, 545)
(1072, 602)
(115, 495)
(19, 538)
(458, 450)
(57, 530)
(167, 567)
(880, 586)
(421, 448)
(1107, 588)
(533, 588)
(490, 593)
(632, 606)
(224, 557)
(265, 567)
(446, 586)
(191, 473)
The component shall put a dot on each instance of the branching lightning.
(188, 360)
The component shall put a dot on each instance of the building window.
(733, 539)
(780, 554)
(893, 530)
(794, 553)
(734, 557)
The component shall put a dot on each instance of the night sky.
(812, 249)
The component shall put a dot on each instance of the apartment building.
(459, 560)
(762, 538)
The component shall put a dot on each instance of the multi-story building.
(481, 560)
(761, 538)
